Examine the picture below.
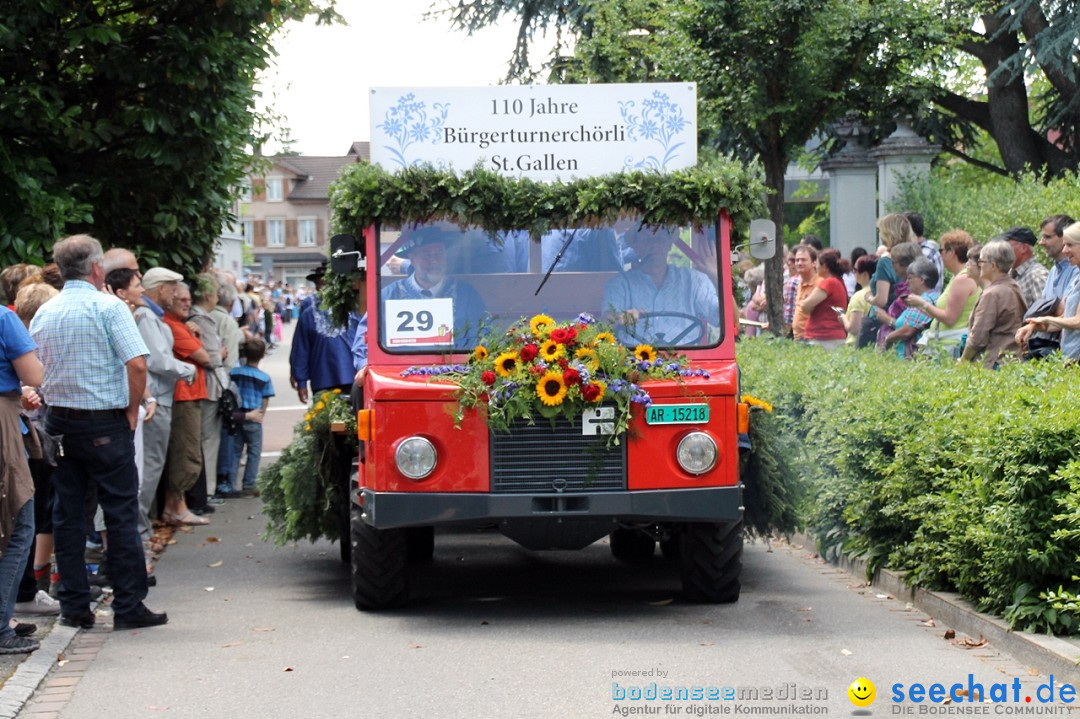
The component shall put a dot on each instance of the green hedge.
(966, 479)
(945, 201)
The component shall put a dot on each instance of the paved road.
(495, 630)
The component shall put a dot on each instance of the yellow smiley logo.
(862, 692)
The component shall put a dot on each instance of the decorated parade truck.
(553, 359)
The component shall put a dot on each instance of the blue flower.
(585, 318)
(419, 131)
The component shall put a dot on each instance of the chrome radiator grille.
(537, 459)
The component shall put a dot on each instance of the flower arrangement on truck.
(550, 356)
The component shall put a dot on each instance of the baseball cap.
(157, 276)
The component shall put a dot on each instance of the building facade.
(285, 214)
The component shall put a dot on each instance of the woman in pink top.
(827, 303)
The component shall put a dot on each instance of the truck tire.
(345, 531)
(711, 561)
(632, 546)
(421, 541)
(379, 565)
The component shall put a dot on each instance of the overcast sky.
(323, 74)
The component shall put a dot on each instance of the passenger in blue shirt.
(321, 352)
(644, 301)
(427, 252)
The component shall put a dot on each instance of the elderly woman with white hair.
(1000, 310)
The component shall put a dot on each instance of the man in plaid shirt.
(1027, 271)
(95, 374)
(921, 277)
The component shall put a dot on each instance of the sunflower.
(541, 325)
(605, 337)
(551, 350)
(480, 353)
(589, 358)
(755, 402)
(551, 389)
(645, 353)
(506, 363)
(319, 406)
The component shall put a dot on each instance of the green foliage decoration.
(964, 479)
(304, 491)
(367, 194)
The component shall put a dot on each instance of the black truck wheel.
(632, 545)
(711, 561)
(421, 541)
(344, 516)
(379, 565)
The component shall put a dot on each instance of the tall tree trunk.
(775, 165)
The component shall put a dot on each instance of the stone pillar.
(852, 191)
(900, 155)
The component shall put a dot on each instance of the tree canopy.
(130, 120)
(770, 74)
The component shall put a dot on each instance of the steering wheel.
(695, 322)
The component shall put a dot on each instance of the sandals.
(188, 518)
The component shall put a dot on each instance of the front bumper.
(386, 510)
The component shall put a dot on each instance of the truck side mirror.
(344, 256)
(762, 239)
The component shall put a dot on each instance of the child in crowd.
(254, 390)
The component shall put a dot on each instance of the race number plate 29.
(427, 322)
(677, 414)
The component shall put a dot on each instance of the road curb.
(1052, 655)
(26, 679)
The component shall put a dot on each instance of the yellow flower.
(325, 396)
(589, 358)
(755, 402)
(605, 337)
(480, 353)
(307, 417)
(645, 353)
(551, 350)
(603, 391)
(506, 363)
(319, 406)
(551, 389)
(307, 427)
(337, 390)
(541, 325)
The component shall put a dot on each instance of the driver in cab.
(425, 248)
(660, 303)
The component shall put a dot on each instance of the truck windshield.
(444, 288)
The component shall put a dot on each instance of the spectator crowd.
(919, 297)
(129, 399)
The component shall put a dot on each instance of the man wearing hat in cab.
(425, 248)
(1026, 270)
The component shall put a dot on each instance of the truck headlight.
(697, 453)
(415, 457)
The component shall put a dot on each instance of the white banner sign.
(544, 132)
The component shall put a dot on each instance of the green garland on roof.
(365, 194)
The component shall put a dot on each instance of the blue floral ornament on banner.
(409, 122)
(660, 121)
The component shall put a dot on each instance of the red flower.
(563, 362)
(560, 336)
(535, 369)
(571, 334)
(590, 392)
(528, 352)
(571, 377)
(488, 377)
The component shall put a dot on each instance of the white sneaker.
(42, 603)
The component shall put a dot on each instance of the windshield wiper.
(573, 234)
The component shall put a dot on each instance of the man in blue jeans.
(95, 374)
(255, 390)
